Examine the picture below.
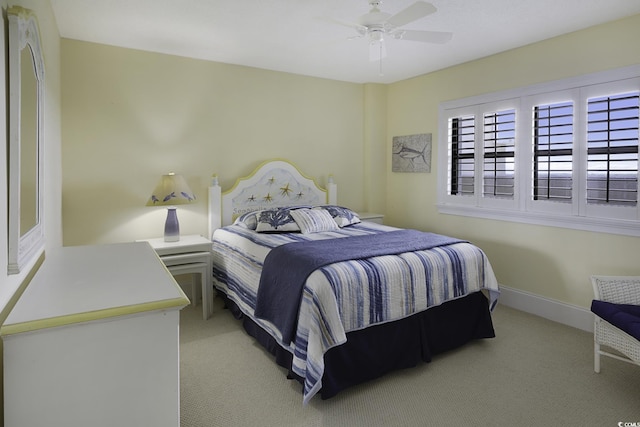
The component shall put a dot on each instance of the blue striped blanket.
(287, 267)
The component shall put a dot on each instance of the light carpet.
(534, 373)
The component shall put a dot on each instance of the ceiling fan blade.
(440, 37)
(358, 27)
(412, 13)
(377, 51)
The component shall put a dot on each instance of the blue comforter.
(287, 267)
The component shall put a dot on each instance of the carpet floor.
(534, 373)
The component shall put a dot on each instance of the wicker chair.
(617, 290)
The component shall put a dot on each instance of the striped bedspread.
(349, 295)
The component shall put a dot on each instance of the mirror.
(26, 106)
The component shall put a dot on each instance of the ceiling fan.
(377, 26)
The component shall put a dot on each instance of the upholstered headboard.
(274, 183)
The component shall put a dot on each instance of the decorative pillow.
(341, 215)
(277, 220)
(314, 220)
(248, 220)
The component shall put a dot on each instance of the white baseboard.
(567, 314)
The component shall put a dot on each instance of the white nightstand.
(190, 255)
(371, 217)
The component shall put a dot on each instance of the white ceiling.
(302, 37)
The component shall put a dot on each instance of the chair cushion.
(623, 316)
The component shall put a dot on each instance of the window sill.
(599, 225)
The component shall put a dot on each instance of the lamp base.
(171, 226)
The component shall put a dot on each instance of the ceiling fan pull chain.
(380, 73)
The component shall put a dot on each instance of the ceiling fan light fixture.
(376, 36)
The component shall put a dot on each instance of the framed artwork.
(411, 153)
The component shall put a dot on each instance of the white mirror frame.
(24, 33)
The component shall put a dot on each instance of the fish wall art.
(411, 153)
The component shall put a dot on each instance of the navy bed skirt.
(370, 353)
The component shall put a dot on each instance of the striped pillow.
(313, 220)
(342, 216)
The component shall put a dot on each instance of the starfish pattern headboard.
(272, 184)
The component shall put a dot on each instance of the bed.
(357, 299)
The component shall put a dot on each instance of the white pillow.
(314, 220)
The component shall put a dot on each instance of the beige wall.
(552, 262)
(130, 116)
(375, 147)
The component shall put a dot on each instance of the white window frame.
(523, 209)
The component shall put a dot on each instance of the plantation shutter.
(499, 154)
(462, 166)
(612, 150)
(553, 152)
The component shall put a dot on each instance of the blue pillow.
(248, 220)
(341, 215)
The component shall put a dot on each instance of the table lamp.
(171, 190)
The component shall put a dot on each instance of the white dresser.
(94, 341)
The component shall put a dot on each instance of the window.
(563, 154)
(462, 143)
(612, 160)
(553, 152)
(499, 154)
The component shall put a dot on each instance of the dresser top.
(84, 283)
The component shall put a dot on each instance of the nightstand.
(190, 255)
(371, 217)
